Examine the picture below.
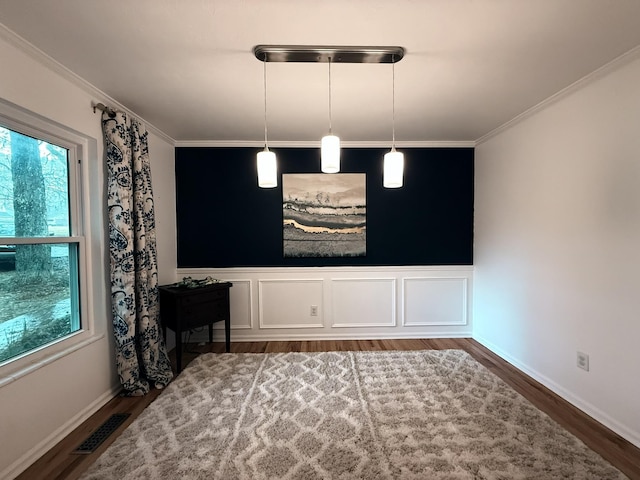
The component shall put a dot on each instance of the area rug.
(344, 415)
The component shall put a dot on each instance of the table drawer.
(203, 314)
(205, 297)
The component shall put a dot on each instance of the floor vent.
(93, 441)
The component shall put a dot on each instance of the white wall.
(41, 407)
(162, 156)
(557, 245)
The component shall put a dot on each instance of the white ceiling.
(187, 68)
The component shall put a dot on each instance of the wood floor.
(60, 463)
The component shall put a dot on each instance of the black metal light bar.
(322, 53)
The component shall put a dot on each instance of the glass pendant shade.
(267, 169)
(393, 169)
(330, 154)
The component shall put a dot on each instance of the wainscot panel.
(287, 303)
(240, 296)
(435, 301)
(363, 302)
(323, 303)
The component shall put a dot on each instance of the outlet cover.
(582, 361)
(314, 310)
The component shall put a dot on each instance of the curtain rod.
(104, 108)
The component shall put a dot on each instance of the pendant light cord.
(266, 147)
(393, 103)
(329, 95)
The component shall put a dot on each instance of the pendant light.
(266, 161)
(393, 161)
(330, 146)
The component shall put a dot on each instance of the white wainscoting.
(316, 303)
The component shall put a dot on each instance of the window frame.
(77, 145)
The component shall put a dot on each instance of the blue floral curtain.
(141, 353)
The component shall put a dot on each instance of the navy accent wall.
(225, 220)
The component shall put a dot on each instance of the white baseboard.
(29, 458)
(576, 401)
(238, 336)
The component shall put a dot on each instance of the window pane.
(38, 305)
(34, 187)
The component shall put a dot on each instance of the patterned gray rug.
(345, 415)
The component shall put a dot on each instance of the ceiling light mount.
(322, 54)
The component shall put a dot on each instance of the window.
(41, 242)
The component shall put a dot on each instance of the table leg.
(211, 333)
(178, 350)
(227, 333)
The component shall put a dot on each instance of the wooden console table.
(183, 309)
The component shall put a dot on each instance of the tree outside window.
(39, 298)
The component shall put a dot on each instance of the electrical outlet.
(314, 310)
(582, 361)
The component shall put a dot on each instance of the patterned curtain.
(141, 354)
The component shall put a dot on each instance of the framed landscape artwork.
(324, 215)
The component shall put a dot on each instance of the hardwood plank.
(60, 464)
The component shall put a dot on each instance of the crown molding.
(607, 68)
(50, 63)
(316, 144)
